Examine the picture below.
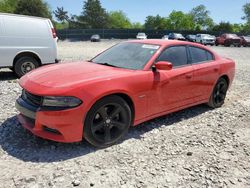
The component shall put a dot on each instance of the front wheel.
(24, 65)
(107, 121)
(219, 94)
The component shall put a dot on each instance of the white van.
(26, 43)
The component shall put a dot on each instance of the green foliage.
(201, 17)
(33, 8)
(7, 6)
(155, 22)
(61, 14)
(137, 25)
(94, 15)
(119, 20)
(237, 28)
(177, 20)
(63, 25)
(223, 27)
(246, 10)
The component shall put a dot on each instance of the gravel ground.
(197, 147)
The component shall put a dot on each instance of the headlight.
(66, 102)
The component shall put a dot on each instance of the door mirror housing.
(164, 65)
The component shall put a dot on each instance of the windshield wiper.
(107, 64)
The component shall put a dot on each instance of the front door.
(174, 88)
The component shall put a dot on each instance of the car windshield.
(178, 35)
(127, 55)
(141, 34)
(232, 35)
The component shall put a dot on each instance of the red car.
(124, 86)
(228, 40)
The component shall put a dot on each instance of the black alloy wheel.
(107, 121)
(219, 94)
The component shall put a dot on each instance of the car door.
(206, 71)
(172, 89)
(222, 39)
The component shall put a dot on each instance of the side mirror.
(164, 65)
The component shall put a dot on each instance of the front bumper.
(60, 126)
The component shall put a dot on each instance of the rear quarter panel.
(227, 67)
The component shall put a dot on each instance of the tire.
(219, 93)
(107, 122)
(227, 43)
(24, 65)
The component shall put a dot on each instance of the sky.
(138, 10)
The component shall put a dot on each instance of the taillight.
(53, 32)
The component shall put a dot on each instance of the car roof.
(166, 43)
(162, 42)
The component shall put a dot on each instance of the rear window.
(199, 55)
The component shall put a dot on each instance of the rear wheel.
(24, 65)
(107, 121)
(227, 43)
(219, 94)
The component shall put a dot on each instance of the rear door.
(206, 71)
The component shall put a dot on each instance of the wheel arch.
(124, 96)
(226, 77)
(28, 54)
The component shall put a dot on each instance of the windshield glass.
(141, 34)
(179, 35)
(127, 55)
(232, 35)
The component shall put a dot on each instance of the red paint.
(153, 93)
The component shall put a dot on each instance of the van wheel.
(25, 65)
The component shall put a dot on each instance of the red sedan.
(124, 86)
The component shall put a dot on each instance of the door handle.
(188, 76)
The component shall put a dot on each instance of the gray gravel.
(197, 147)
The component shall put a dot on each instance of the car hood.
(69, 75)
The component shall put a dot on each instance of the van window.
(199, 55)
(177, 55)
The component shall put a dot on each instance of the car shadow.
(21, 144)
(6, 75)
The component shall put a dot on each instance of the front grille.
(31, 98)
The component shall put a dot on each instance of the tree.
(33, 8)
(119, 20)
(155, 22)
(223, 27)
(201, 17)
(137, 25)
(7, 6)
(177, 20)
(61, 15)
(246, 10)
(94, 15)
(237, 28)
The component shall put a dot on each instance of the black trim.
(26, 109)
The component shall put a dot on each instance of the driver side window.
(177, 55)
